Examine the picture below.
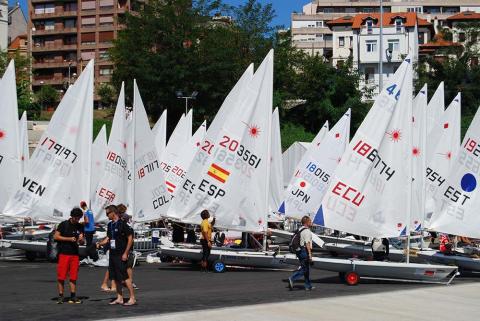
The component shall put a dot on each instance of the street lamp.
(180, 95)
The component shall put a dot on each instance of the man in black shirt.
(120, 238)
(69, 235)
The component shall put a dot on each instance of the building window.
(394, 45)
(369, 26)
(70, 40)
(49, 25)
(106, 71)
(88, 22)
(319, 36)
(367, 10)
(398, 25)
(461, 37)
(106, 20)
(88, 5)
(105, 37)
(69, 23)
(319, 24)
(327, 10)
(371, 45)
(88, 38)
(103, 55)
(70, 6)
(351, 41)
(327, 37)
(369, 75)
(421, 38)
(341, 41)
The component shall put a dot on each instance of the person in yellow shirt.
(206, 237)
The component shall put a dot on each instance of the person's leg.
(89, 238)
(129, 285)
(116, 277)
(104, 285)
(61, 276)
(306, 274)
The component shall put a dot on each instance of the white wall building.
(310, 34)
(3, 25)
(358, 37)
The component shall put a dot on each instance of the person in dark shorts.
(131, 256)
(89, 222)
(120, 238)
(69, 235)
(206, 238)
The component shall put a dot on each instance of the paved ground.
(27, 291)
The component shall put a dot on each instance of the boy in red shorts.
(69, 235)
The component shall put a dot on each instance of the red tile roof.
(439, 42)
(466, 15)
(388, 20)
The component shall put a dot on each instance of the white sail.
(57, 177)
(229, 175)
(457, 198)
(10, 151)
(99, 155)
(189, 124)
(178, 139)
(312, 176)
(23, 134)
(180, 161)
(321, 134)
(151, 198)
(443, 145)
(370, 191)
(292, 156)
(112, 186)
(435, 108)
(160, 133)
(276, 165)
(419, 153)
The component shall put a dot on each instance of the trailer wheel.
(219, 266)
(31, 256)
(352, 278)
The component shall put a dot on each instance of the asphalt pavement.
(28, 291)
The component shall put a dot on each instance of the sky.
(283, 8)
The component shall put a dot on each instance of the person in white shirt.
(304, 254)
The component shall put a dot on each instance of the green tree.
(459, 70)
(47, 96)
(107, 95)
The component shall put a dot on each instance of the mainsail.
(419, 152)
(230, 173)
(443, 145)
(57, 177)
(435, 108)
(99, 154)
(112, 187)
(151, 198)
(276, 165)
(10, 151)
(160, 133)
(457, 199)
(370, 191)
(305, 192)
(23, 134)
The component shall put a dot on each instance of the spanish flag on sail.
(218, 173)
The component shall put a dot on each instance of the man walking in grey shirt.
(304, 255)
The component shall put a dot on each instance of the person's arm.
(308, 246)
(213, 221)
(127, 249)
(85, 218)
(59, 238)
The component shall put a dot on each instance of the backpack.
(295, 241)
(377, 245)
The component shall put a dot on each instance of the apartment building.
(357, 37)
(3, 24)
(66, 34)
(311, 33)
(17, 24)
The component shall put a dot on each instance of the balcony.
(54, 48)
(56, 31)
(47, 80)
(310, 30)
(53, 64)
(313, 44)
(56, 14)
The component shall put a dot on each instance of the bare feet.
(130, 302)
(117, 301)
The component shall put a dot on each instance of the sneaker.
(135, 286)
(74, 300)
(290, 284)
(310, 288)
(60, 300)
